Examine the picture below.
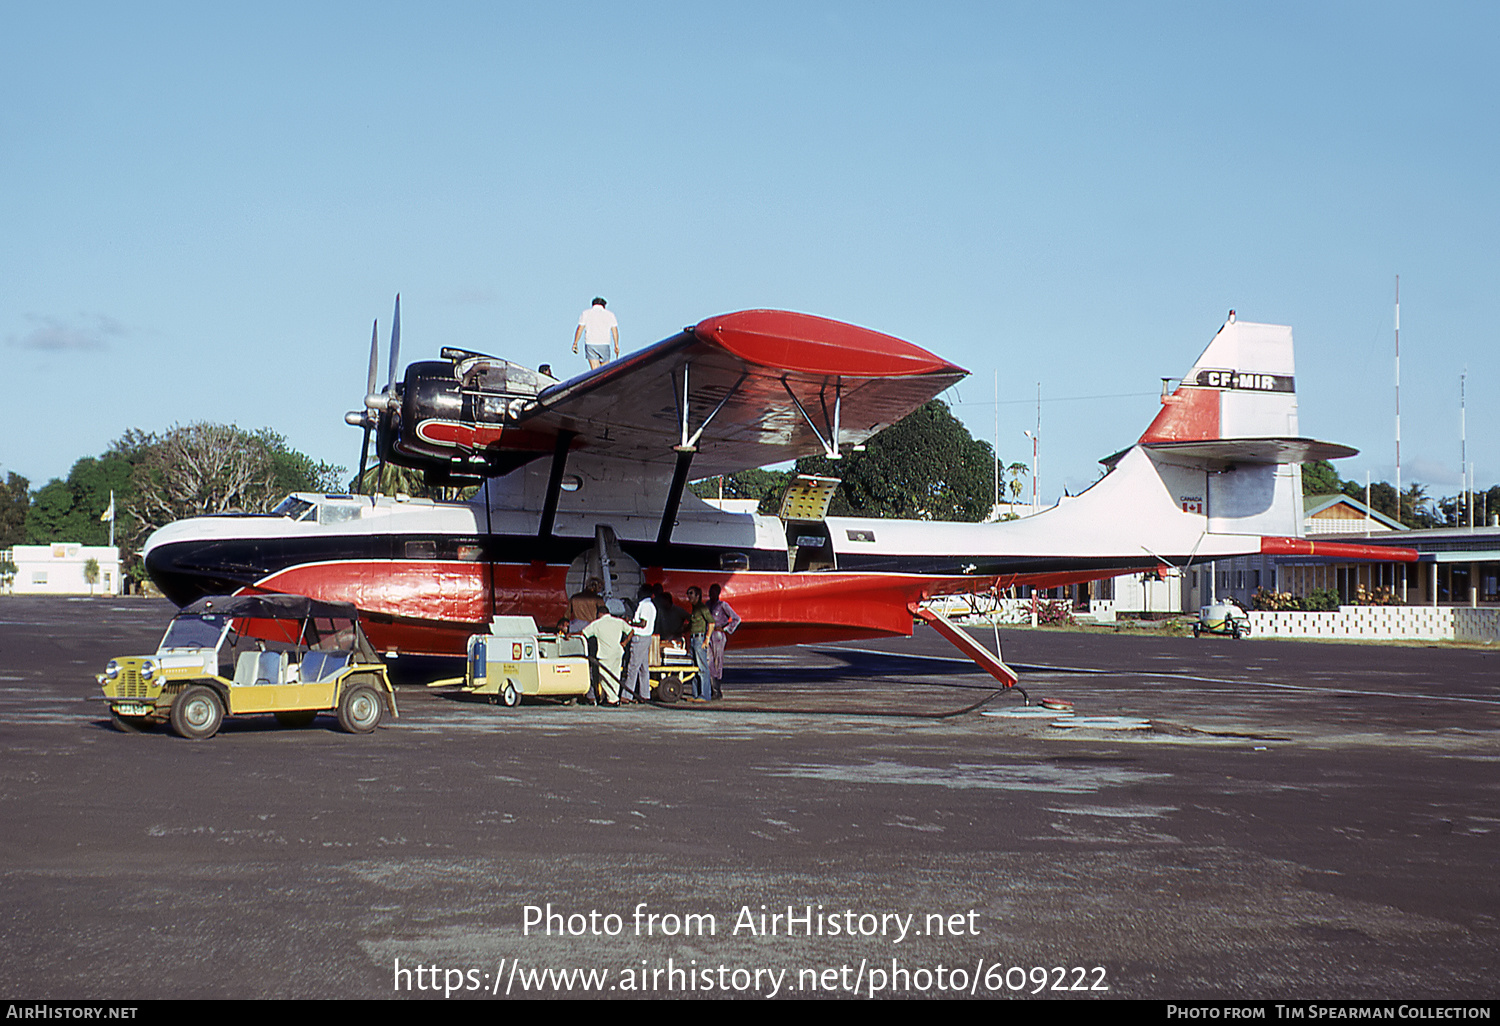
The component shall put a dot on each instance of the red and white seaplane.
(587, 478)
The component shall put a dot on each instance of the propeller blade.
(374, 357)
(395, 345)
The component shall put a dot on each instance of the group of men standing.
(622, 643)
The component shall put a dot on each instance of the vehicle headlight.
(112, 670)
(148, 670)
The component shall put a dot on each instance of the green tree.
(1382, 496)
(765, 486)
(15, 501)
(926, 467)
(201, 468)
(1416, 508)
(391, 480)
(292, 471)
(70, 510)
(91, 572)
(1319, 478)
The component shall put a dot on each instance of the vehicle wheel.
(510, 695)
(1197, 629)
(669, 689)
(130, 724)
(1237, 632)
(300, 718)
(360, 710)
(197, 713)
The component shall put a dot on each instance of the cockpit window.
(294, 508)
(338, 512)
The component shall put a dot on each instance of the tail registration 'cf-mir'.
(586, 478)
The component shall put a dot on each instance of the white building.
(59, 569)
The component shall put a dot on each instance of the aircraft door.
(804, 504)
(809, 546)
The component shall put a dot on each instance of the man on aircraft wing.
(598, 328)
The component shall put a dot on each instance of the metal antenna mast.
(997, 442)
(1404, 570)
(1398, 398)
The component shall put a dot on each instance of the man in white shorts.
(598, 328)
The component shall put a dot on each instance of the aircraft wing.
(743, 389)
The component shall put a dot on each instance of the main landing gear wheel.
(510, 695)
(360, 710)
(197, 713)
(300, 718)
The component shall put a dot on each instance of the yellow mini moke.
(284, 655)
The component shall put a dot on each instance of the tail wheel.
(197, 713)
(360, 710)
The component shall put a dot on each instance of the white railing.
(1432, 623)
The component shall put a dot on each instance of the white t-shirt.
(646, 611)
(596, 323)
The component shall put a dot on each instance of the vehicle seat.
(257, 668)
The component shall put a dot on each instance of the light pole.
(1034, 440)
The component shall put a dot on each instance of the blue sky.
(203, 207)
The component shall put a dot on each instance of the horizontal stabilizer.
(1256, 450)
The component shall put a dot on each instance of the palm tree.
(1017, 471)
(91, 573)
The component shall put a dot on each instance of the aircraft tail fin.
(1243, 386)
(1226, 439)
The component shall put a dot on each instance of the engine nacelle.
(454, 419)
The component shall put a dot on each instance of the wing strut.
(830, 424)
(990, 664)
(554, 482)
(686, 449)
(683, 410)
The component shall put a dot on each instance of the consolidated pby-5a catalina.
(587, 478)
